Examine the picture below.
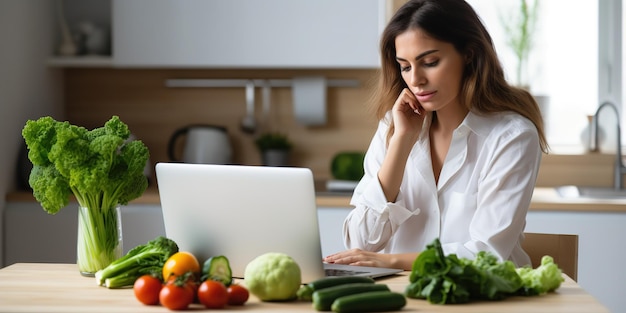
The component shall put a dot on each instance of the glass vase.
(99, 239)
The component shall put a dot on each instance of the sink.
(590, 192)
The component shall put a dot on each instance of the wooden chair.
(562, 248)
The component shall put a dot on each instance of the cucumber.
(373, 301)
(324, 298)
(217, 268)
(306, 291)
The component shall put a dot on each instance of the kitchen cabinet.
(247, 33)
(331, 228)
(601, 252)
(32, 235)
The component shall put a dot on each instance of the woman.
(456, 152)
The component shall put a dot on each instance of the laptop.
(242, 212)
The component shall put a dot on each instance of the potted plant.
(519, 29)
(275, 148)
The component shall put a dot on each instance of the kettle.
(207, 144)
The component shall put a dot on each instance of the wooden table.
(37, 287)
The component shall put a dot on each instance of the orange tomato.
(180, 263)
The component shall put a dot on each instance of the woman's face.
(432, 69)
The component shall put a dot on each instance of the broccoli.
(143, 259)
(101, 168)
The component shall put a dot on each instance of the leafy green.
(545, 278)
(100, 167)
(148, 258)
(501, 277)
(442, 279)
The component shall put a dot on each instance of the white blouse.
(479, 204)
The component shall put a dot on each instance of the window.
(564, 63)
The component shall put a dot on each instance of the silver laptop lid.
(242, 212)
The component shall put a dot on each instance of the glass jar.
(99, 239)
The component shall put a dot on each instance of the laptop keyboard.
(337, 272)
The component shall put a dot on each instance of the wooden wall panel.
(154, 112)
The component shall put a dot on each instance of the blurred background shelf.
(81, 61)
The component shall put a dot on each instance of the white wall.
(28, 88)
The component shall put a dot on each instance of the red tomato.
(180, 263)
(188, 280)
(194, 287)
(176, 295)
(147, 288)
(213, 294)
(237, 294)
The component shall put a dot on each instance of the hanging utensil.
(266, 97)
(248, 124)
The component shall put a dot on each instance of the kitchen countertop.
(544, 199)
(44, 287)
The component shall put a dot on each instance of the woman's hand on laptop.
(374, 259)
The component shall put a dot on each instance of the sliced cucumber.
(217, 268)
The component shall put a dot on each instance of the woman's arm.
(377, 212)
(367, 258)
(408, 119)
(393, 166)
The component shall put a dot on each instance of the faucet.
(619, 168)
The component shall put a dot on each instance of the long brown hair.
(483, 88)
